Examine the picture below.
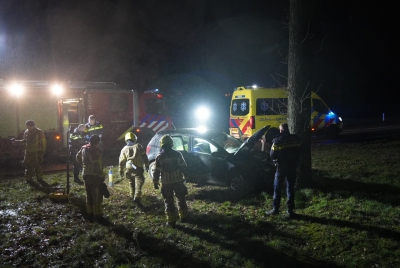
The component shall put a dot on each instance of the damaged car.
(214, 157)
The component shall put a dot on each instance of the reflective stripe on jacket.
(76, 139)
(286, 149)
(170, 165)
(95, 129)
(133, 154)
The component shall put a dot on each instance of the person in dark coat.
(285, 152)
(94, 127)
(76, 141)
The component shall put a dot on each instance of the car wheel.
(152, 167)
(332, 132)
(236, 180)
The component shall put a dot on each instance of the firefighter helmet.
(130, 136)
(166, 140)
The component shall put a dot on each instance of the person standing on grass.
(171, 166)
(285, 152)
(94, 127)
(89, 157)
(35, 142)
(131, 159)
(76, 141)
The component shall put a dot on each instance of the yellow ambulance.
(254, 107)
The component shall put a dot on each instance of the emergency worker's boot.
(291, 213)
(171, 224)
(272, 212)
(171, 219)
(100, 219)
(183, 215)
(90, 217)
(77, 180)
(138, 202)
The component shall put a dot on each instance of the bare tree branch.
(285, 58)
(321, 44)
(308, 35)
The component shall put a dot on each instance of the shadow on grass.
(42, 186)
(153, 205)
(226, 194)
(233, 229)
(236, 235)
(146, 244)
(384, 193)
(340, 223)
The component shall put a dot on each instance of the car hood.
(250, 142)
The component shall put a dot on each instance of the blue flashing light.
(152, 90)
(331, 113)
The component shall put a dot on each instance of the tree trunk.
(300, 64)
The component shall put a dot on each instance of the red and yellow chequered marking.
(242, 124)
(318, 120)
(321, 120)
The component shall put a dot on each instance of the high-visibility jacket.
(35, 141)
(76, 140)
(170, 165)
(90, 159)
(132, 156)
(96, 129)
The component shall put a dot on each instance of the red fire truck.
(57, 108)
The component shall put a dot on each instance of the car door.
(206, 164)
(181, 144)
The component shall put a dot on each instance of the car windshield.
(229, 143)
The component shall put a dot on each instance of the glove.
(156, 184)
(147, 168)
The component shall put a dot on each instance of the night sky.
(196, 51)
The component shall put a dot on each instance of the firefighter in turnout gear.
(171, 165)
(131, 161)
(76, 141)
(93, 127)
(34, 151)
(89, 156)
(285, 152)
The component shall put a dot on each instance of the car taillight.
(148, 148)
(252, 122)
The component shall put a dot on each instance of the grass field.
(349, 218)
